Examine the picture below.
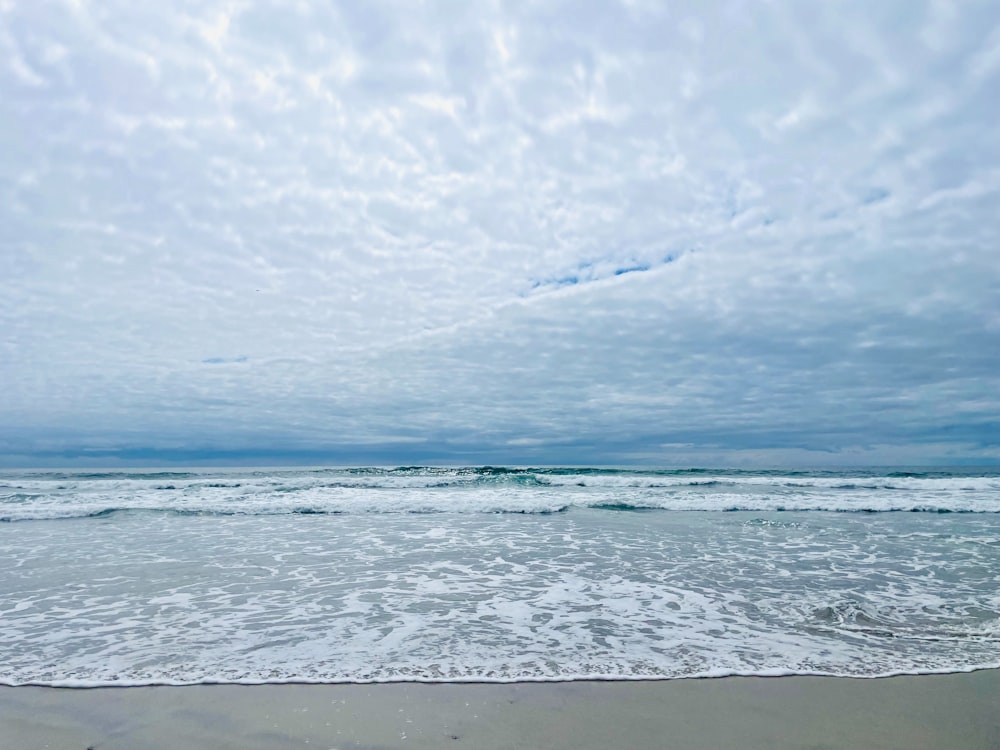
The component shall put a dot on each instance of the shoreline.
(763, 675)
(955, 710)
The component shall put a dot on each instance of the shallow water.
(339, 576)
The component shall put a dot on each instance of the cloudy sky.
(615, 231)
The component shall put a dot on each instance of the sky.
(606, 233)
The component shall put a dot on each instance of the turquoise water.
(490, 574)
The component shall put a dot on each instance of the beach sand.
(940, 711)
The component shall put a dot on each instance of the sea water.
(492, 574)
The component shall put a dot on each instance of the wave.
(410, 476)
(474, 678)
(40, 495)
(493, 508)
(92, 475)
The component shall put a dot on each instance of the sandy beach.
(960, 711)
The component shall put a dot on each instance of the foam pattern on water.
(139, 598)
(48, 495)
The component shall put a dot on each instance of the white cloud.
(986, 62)
(249, 226)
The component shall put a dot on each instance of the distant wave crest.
(40, 495)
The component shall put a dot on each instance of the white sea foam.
(362, 597)
(45, 496)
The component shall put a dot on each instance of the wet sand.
(942, 711)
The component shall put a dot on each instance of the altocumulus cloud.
(602, 232)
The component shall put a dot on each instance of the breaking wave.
(40, 495)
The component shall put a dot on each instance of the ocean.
(494, 574)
